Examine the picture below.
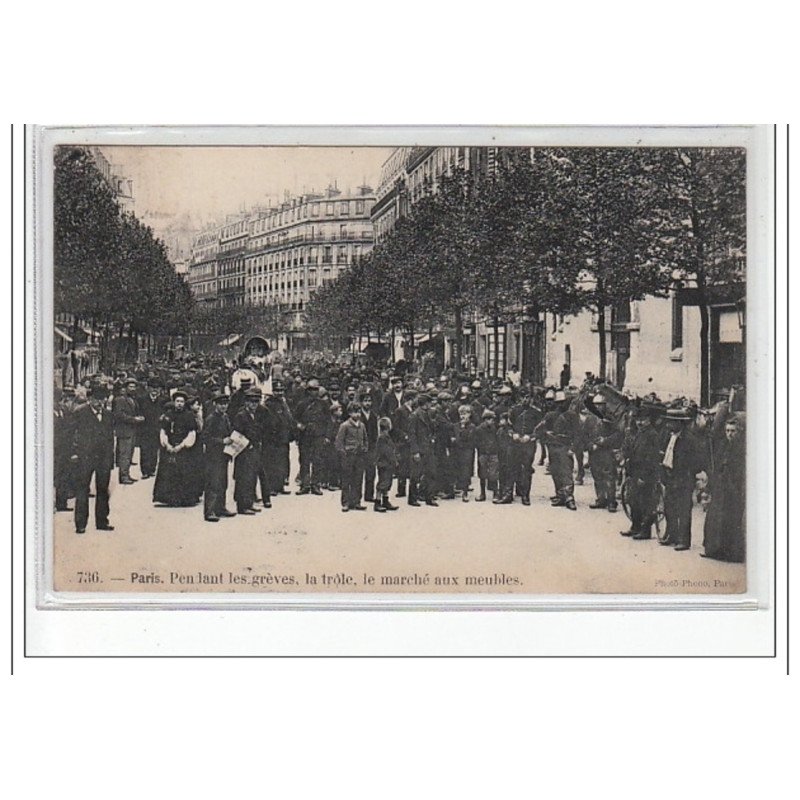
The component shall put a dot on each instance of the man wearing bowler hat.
(682, 460)
(93, 454)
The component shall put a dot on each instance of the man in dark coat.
(464, 451)
(126, 422)
(63, 436)
(278, 432)
(351, 445)
(237, 399)
(312, 416)
(422, 441)
(93, 454)
(524, 417)
(216, 434)
(393, 399)
(444, 436)
(151, 407)
(604, 438)
(370, 420)
(643, 473)
(248, 462)
(724, 531)
(401, 424)
(560, 429)
(683, 460)
(502, 401)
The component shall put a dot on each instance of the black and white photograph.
(514, 369)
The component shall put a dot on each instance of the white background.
(365, 728)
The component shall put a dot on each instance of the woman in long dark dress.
(724, 530)
(174, 485)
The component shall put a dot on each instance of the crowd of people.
(362, 431)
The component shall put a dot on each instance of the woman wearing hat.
(174, 484)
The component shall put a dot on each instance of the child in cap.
(386, 463)
(504, 492)
(486, 444)
(464, 450)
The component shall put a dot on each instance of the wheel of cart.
(659, 523)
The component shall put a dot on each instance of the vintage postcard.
(481, 367)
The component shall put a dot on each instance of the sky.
(202, 185)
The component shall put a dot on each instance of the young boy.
(351, 444)
(386, 463)
(331, 478)
(486, 444)
(464, 450)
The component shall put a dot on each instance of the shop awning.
(419, 338)
(229, 340)
(63, 335)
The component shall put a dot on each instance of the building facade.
(233, 241)
(488, 346)
(280, 256)
(121, 186)
(202, 276)
(294, 249)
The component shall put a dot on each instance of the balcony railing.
(317, 236)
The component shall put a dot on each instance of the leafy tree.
(603, 220)
(109, 268)
(704, 204)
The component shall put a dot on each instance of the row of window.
(303, 234)
(294, 258)
(306, 210)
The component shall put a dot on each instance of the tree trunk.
(459, 320)
(496, 324)
(391, 351)
(601, 330)
(409, 354)
(705, 381)
(700, 275)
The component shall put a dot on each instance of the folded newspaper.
(238, 443)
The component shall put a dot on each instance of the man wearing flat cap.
(216, 435)
(422, 443)
(401, 424)
(236, 402)
(63, 435)
(370, 420)
(126, 422)
(312, 418)
(560, 430)
(151, 408)
(248, 463)
(643, 469)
